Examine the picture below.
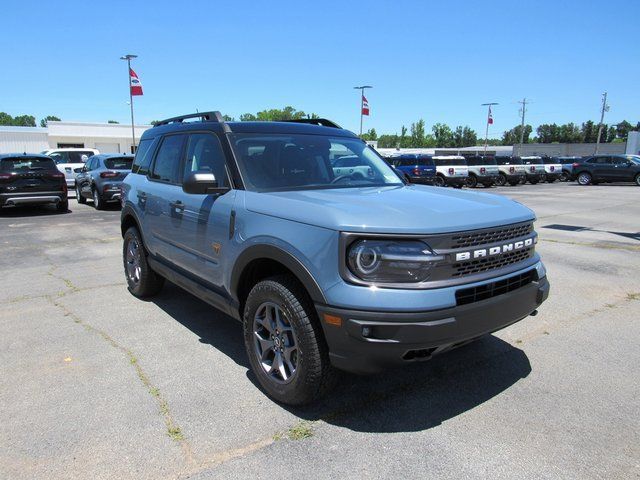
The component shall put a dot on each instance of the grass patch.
(633, 296)
(300, 431)
(175, 433)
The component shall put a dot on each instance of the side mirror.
(202, 183)
(84, 169)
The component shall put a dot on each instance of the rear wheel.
(501, 180)
(564, 176)
(439, 181)
(142, 281)
(550, 180)
(79, 196)
(63, 206)
(638, 179)
(472, 181)
(97, 200)
(284, 342)
(584, 178)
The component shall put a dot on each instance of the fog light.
(366, 331)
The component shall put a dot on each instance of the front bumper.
(552, 176)
(397, 338)
(423, 180)
(536, 177)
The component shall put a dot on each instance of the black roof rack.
(204, 116)
(323, 122)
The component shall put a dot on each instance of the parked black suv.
(31, 179)
(607, 168)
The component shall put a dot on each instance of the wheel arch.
(262, 261)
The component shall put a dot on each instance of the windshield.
(635, 159)
(25, 164)
(118, 163)
(276, 162)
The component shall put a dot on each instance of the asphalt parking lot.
(97, 384)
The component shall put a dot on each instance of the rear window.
(449, 161)
(473, 161)
(118, 163)
(532, 161)
(24, 164)
(71, 157)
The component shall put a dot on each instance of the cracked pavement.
(97, 384)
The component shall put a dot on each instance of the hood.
(406, 209)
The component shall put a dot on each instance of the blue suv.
(416, 168)
(326, 271)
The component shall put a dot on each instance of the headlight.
(391, 261)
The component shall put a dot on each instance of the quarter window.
(143, 157)
(204, 153)
(167, 164)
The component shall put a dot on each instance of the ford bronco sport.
(326, 271)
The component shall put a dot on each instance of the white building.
(105, 137)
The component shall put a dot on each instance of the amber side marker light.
(332, 320)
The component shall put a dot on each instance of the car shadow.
(416, 397)
(31, 211)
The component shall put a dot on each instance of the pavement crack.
(173, 430)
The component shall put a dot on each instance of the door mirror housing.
(202, 183)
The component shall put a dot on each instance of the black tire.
(550, 180)
(564, 176)
(637, 179)
(63, 206)
(584, 178)
(147, 282)
(98, 203)
(501, 181)
(440, 181)
(533, 182)
(313, 375)
(472, 181)
(487, 185)
(79, 196)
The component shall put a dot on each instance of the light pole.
(489, 121)
(128, 58)
(605, 108)
(362, 89)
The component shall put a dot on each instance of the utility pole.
(489, 122)
(362, 89)
(128, 58)
(523, 110)
(605, 108)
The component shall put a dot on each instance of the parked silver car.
(101, 177)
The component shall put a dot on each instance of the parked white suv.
(70, 161)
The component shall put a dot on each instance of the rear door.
(602, 168)
(162, 187)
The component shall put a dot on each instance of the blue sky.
(437, 61)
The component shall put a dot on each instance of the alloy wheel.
(275, 343)
(133, 261)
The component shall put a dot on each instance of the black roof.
(30, 155)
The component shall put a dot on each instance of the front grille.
(490, 290)
(490, 263)
(494, 235)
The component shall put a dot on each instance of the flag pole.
(486, 133)
(128, 58)
(361, 88)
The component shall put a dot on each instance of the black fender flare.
(271, 252)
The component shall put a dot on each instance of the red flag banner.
(490, 117)
(365, 106)
(134, 83)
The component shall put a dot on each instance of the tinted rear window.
(24, 164)
(118, 163)
(532, 161)
(509, 161)
(449, 161)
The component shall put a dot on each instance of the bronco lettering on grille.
(497, 250)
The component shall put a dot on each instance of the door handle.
(177, 205)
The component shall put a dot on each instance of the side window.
(204, 153)
(143, 157)
(167, 164)
(618, 160)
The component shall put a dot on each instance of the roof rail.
(323, 122)
(204, 116)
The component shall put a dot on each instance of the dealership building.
(105, 137)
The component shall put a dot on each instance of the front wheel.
(141, 280)
(63, 206)
(79, 196)
(439, 181)
(564, 176)
(284, 342)
(501, 181)
(638, 179)
(584, 178)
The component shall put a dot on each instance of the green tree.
(443, 135)
(24, 121)
(228, 118)
(404, 141)
(589, 132)
(623, 128)
(418, 134)
(548, 133)
(5, 119)
(512, 137)
(48, 118)
(464, 137)
(275, 114)
(370, 135)
(569, 133)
